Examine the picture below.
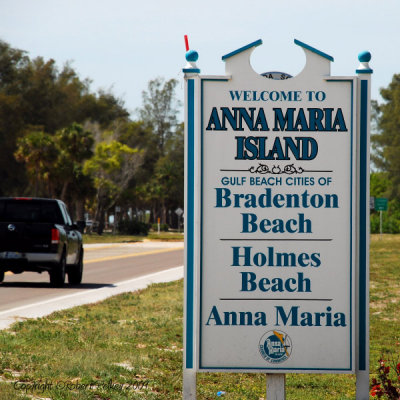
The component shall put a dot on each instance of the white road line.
(47, 307)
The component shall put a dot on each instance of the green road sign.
(381, 204)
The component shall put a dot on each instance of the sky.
(123, 44)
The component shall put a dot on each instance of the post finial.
(364, 57)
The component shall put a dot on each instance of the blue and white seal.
(275, 346)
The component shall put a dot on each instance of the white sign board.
(274, 220)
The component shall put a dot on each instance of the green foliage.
(112, 167)
(386, 142)
(158, 185)
(37, 96)
(164, 186)
(386, 156)
(75, 147)
(387, 383)
(163, 227)
(54, 162)
(60, 139)
(160, 109)
(380, 186)
(75, 143)
(133, 227)
(390, 218)
(103, 108)
(39, 152)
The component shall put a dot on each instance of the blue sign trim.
(191, 70)
(351, 235)
(190, 227)
(364, 71)
(255, 369)
(219, 369)
(250, 45)
(362, 339)
(314, 50)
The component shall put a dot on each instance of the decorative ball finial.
(192, 56)
(364, 56)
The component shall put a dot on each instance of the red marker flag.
(186, 43)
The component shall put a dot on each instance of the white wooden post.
(191, 220)
(276, 389)
(189, 384)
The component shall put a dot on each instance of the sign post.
(179, 213)
(381, 204)
(364, 73)
(273, 222)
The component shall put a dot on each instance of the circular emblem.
(278, 76)
(275, 346)
(11, 227)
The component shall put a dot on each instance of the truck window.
(65, 213)
(30, 211)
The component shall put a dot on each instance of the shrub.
(163, 227)
(133, 227)
(387, 383)
(390, 219)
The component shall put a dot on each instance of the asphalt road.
(105, 267)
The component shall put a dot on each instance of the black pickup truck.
(38, 235)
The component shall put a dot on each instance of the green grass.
(138, 337)
(165, 236)
(110, 238)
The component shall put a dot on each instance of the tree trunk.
(64, 191)
(100, 215)
(100, 219)
(163, 213)
(80, 209)
(154, 216)
(36, 182)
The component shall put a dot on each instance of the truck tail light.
(55, 236)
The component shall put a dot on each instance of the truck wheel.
(57, 275)
(75, 272)
(1, 276)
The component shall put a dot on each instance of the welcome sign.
(272, 181)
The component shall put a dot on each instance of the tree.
(163, 163)
(386, 142)
(12, 64)
(75, 146)
(168, 176)
(379, 184)
(49, 124)
(55, 165)
(103, 108)
(160, 109)
(386, 155)
(37, 96)
(39, 152)
(112, 166)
